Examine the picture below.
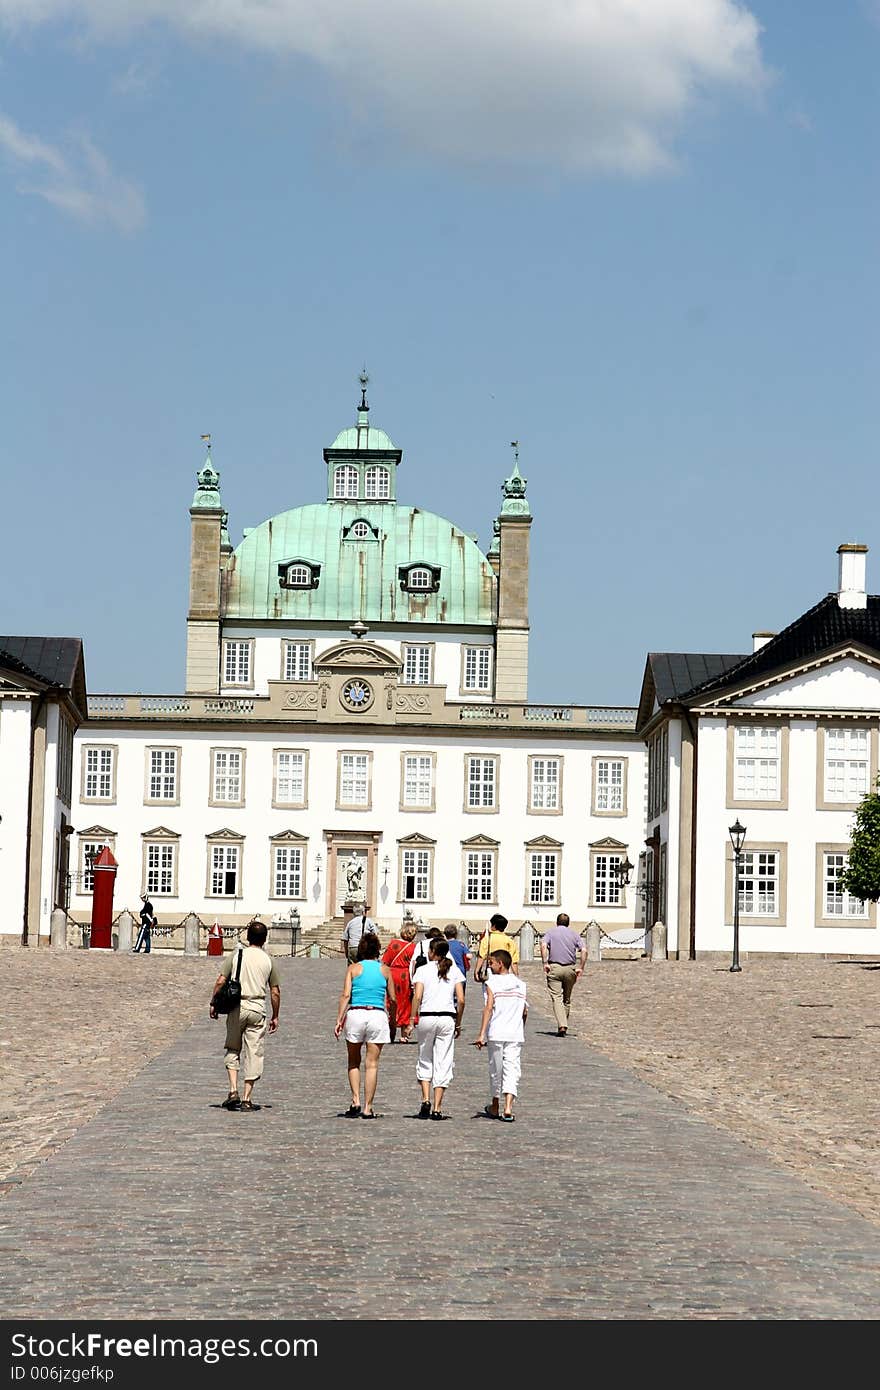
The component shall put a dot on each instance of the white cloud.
(80, 181)
(575, 84)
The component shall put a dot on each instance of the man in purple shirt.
(560, 949)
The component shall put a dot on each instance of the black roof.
(677, 673)
(52, 661)
(820, 629)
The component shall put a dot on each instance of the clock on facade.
(356, 694)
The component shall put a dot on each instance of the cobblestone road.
(626, 1204)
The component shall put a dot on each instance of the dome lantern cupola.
(362, 460)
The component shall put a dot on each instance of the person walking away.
(560, 948)
(397, 956)
(502, 1030)
(458, 950)
(495, 938)
(438, 1005)
(246, 1026)
(148, 922)
(367, 991)
(358, 923)
(420, 954)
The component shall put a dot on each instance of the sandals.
(424, 1110)
(509, 1119)
(232, 1101)
(490, 1113)
(352, 1113)
(437, 1115)
(369, 1115)
(249, 1105)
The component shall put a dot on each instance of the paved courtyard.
(705, 1147)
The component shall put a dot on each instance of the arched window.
(376, 482)
(299, 577)
(420, 578)
(345, 481)
(359, 531)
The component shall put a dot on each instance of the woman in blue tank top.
(363, 1002)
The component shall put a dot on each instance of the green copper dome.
(360, 575)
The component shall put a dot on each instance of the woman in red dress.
(397, 956)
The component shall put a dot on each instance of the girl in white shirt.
(438, 1004)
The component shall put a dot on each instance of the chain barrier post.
(58, 930)
(124, 928)
(190, 934)
(658, 941)
(594, 944)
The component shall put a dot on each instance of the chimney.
(760, 639)
(851, 591)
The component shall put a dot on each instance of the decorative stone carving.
(411, 702)
(325, 690)
(301, 699)
(359, 656)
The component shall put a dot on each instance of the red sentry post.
(105, 867)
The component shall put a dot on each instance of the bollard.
(658, 941)
(191, 935)
(314, 951)
(58, 930)
(527, 941)
(594, 950)
(124, 931)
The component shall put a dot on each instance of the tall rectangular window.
(415, 873)
(838, 902)
(759, 883)
(479, 881)
(290, 777)
(418, 781)
(287, 871)
(237, 663)
(354, 779)
(227, 778)
(847, 764)
(544, 784)
(89, 851)
(297, 661)
(543, 877)
(658, 771)
(65, 759)
(482, 778)
(606, 889)
(757, 763)
(224, 871)
(416, 665)
(159, 868)
(608, 789)
(99, 766)
(477, 672)
(162, 774)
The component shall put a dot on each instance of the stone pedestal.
(58, 930)
(124, 931)
(191, 935)
(594, 942)
(658, 941)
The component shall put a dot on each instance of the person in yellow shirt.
(495, 938)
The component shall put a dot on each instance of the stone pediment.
(481, 842)
(357, 656)
(608, 843)
(224, 834)
(161, 832)
(416, 839)
(845, 679)
(543, 842)
(285, 837)
(96, 832)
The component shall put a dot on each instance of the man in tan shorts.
(246, 1026)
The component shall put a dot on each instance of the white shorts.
(367, 1025)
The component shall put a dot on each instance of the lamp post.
(622, 871)
(386, 866)
(737, 834)
(294, 930)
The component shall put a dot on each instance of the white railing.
(623, 716)
(483, 712)
(105, 704)
(549, 713)
(164, 704)
(237, 706)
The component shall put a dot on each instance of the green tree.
(862, 875)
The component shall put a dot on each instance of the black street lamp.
(737, 834)
(622, 871)
(294, 930)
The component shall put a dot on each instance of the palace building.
(355, 724)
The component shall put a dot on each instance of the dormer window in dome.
(345, 481)
(299, 574)
(419, 578)
(360, 530)
(377, 483)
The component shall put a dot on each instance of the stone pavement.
(607, 1199)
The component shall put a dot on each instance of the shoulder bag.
(228, 996)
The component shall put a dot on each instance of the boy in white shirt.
(501, 1028)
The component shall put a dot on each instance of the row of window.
(762, 887)
(758, 765)
(287, 872)
(377, 482)
(354, 780)
(415, 578)
(298, 657)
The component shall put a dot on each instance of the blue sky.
(640, 237)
